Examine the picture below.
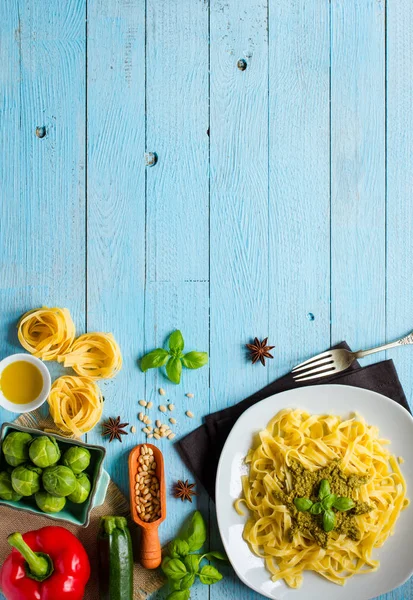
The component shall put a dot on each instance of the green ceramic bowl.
(77, 514)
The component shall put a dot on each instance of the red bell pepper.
(46, 564)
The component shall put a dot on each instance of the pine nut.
(162, 392)
(162, 408)
(140, 416)
(149, 405)
(171, 406)
(143, 402)
(148, 421)
(158, 423)
(189, 414)
(189, 395)
(133, 429)
(171, 436)
(150, 451)
(156, 436)
(172, 420)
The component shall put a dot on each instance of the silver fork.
(334, 361)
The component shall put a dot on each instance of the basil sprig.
(174, 358)
(326, 502)
(182, 568)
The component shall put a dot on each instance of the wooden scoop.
(150, 550)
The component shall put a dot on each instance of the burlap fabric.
(145, 581)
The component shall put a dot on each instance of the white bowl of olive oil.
(24, 383)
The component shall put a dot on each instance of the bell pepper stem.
(39, 564)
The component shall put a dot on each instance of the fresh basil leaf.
(174, 584)
(303, 504)
(174, 568)
(316, 509)
(195, 360)
(192, 563)
(329, 520)
(176, 342)
(179, 595)
(215, 554)
(153, 360)
(195, 532)
(187, 581)
(178, 548)
(209, 575)
(324, 489)
(328, 501)
(174, 369)
(343, 503)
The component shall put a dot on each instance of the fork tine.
(316, 373)
(306, 363)
(324, 362)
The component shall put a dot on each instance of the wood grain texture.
(42, 179)
(116, 205)
(299, 160)
(358, 173)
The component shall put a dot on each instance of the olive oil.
(21, 382)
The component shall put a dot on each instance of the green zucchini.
(115, 559)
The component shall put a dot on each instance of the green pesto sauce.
(305, 484)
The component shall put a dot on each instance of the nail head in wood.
(242, 64)
(151, 159)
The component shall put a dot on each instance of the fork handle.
(404, 341)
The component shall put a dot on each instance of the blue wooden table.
(280, 203)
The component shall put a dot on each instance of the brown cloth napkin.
(201, 449)
(145, 582)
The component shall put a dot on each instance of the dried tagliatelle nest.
(46, 332)
(76, 404)
(95, 355)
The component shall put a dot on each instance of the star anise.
(260, 350)
(184, 491)
(114, 428)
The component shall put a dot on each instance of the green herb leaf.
(195, 532)
(195, 360)
(187, 581)
(303, 504)
(192, 562)
(316, 509)
(153, 360)
(179, 595)
(324, 489)
(343, 504)
(215, 554)
(174, 369)
(209, 575)
(328, 501)
(329, 520)
(176, 342)
(174, 568)
(178, 548)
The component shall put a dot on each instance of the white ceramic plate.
(396, 558)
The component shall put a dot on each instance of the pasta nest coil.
(46, 332)
(95, 355)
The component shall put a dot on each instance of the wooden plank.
(239, 212)
(358, 173)
(177, 295)
(299, 181)
(399, 128)
(42, 219)
(116, 206)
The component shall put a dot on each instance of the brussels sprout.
(59, 480)
(44, 451)
(77, 459)
(6, 490)
(82, 489)
(25, 480)
(16, 448)
(48, 503)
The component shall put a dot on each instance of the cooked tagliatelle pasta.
(314, 442)
(46, 332)
(96, 355)
(75, 404)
